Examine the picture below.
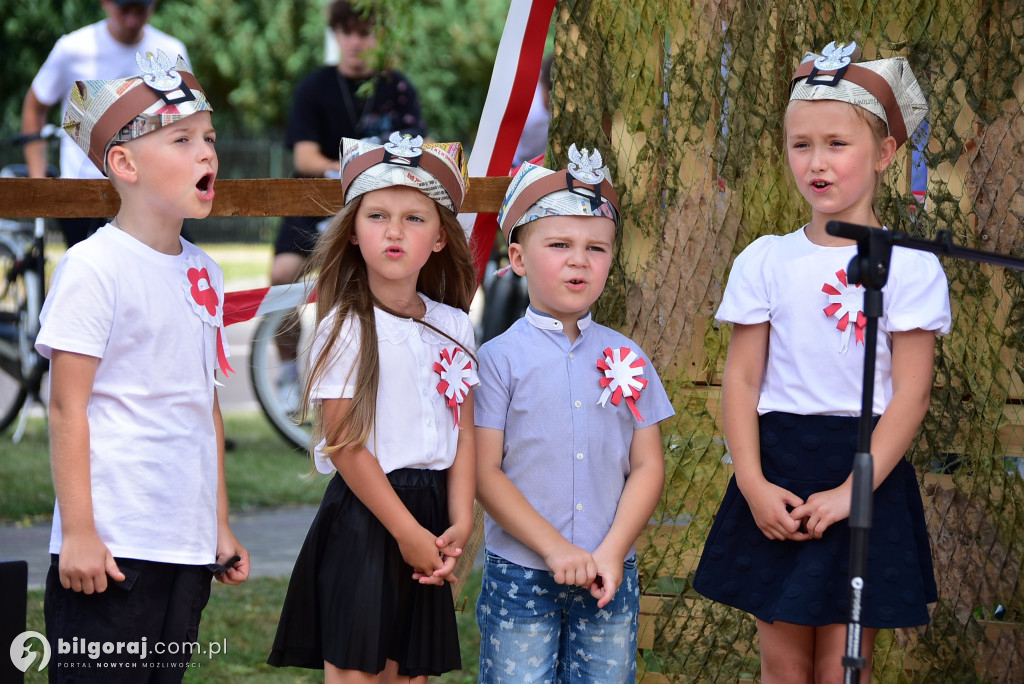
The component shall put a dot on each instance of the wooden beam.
(70, 198)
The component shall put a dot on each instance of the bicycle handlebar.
(48, 132)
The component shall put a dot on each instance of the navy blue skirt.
(807, 582)
(351, 598)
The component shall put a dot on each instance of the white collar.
(545, 321)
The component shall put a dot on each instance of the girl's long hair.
(342, 286)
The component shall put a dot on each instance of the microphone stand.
(870, 268)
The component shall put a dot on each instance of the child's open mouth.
(205, 187)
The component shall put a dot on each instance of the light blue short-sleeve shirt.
(567, 453)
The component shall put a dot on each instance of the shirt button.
(579, 507)
(579, 456)
(572, 355)
(578, 404)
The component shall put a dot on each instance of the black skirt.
(351, 599)
(806, 582)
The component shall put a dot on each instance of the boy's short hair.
(582, 188)
(885, 87)
(438, 170)
(102, 113)
(342, 15)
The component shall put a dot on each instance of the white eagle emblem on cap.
(835, 56)
(584, 166)
(158, 71)
(404, 145)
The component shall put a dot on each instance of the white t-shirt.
(414, 425)
(815, 360)
(153, 448)
(86, 54)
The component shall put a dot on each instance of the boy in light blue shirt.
(570, 464)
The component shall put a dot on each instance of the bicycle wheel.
(278, 403)
(12, 305)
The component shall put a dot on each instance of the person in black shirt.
(327, 106)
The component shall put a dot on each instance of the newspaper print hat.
(581, 189)
(438, 170)
(885, 87)
(101, 113)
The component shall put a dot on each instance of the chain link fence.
(687, 99)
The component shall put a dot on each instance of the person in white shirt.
(105, 50)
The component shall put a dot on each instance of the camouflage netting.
(687, 97)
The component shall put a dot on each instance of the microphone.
(850, 231)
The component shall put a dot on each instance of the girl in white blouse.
(392, 377)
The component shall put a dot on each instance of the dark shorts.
(299, 234)
(156, 608)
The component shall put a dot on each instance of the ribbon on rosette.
(454, 368)
(206, 303)
(845, 304)
(623, 378)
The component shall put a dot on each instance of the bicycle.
(271, 305)
(22, 290)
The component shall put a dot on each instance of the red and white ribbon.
(623, 370)
(846, 303)
(244, 305)
(454, 368)
(205, 302)
(509, 95)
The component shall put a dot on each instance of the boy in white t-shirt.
(133, 330)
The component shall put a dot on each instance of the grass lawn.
(262, 470)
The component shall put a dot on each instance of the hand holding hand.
(572, 565)
(609, 577)
(768, 504)
(419, 549)
(823, 509)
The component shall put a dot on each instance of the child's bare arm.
(636, 504)
(741, 389)
(364, 476)
(461, 491)
(227, 545)
(510, 509)
(85, 562)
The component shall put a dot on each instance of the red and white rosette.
(846, 302)
(623, 378)
(454, 368)
(205, 302)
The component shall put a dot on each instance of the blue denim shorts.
(533, 629)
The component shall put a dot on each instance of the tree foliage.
(248, 54)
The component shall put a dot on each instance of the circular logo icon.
(22, 655)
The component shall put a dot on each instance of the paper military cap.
(581, 189)
(885, 87)
(438, 170)
(101, 113)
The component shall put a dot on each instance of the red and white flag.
(513, 81)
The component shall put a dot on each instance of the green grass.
(262, 470)
(243, 620)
